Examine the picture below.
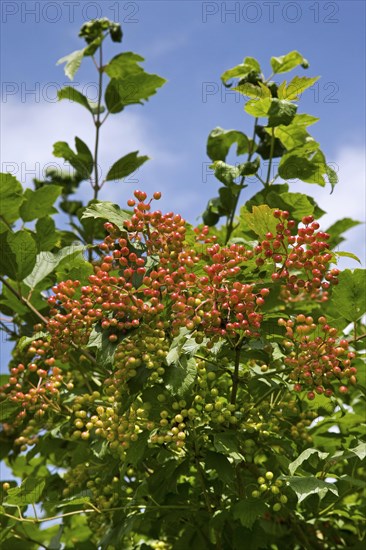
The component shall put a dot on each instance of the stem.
(98, 123)
(10, 332)
(302, 535)
(231, 217)
(95, 510)
(201, 475)
(230, 220)
(270, 158)
(235, 376)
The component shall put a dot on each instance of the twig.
(24, 300)
(235, 376)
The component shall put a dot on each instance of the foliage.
(175, 387)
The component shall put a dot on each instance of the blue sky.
(190, 43)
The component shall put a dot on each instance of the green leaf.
(293, 135)
(227, 199)
(79, 269)
(276, 196)
(73, 62)
(214, 210)
(26, 340)
(248, 510)
(137, 451)
(7, 410)
(298, 204)
(306, 163)
(310, 485)
(131, 90)
(250, 65)
(348, 255)
(221, 464)
(226, 443)
(338, 228)
(348, 297)
(73, 95)
(125, 166)
(281, 112)
(46, 235)
(305, 120)
(226, 173)
(293, 89)
(332, 175)
(304, 456)
(11, 197)
(46, 262)
(261, 220)
(105, 349)
(76, 501)
(258, 107)
(71, 207)
(255, 91)
(29, 492)
(84, 155)
(18, 254)
(39, 204)
(219, 142)
(360, 451)
(82, 161)
(249, 168)
(55, 542)
(180, 375)
(107, 211)
(123, 65)
(285, 63)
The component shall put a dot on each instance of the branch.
(24, 301)
(41, 317)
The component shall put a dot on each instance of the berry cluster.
(152, 280)
(269, 488)
(316, 357)
(33, 386)
(148, 271)
(300, 255)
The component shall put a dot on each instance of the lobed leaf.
(219, 142)
(39, 203)
(18, 254)
(11, 198)
(107, 211)
(285, 63)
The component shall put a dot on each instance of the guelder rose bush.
(177, 388)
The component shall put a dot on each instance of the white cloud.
(29, 131)
(348, 200)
